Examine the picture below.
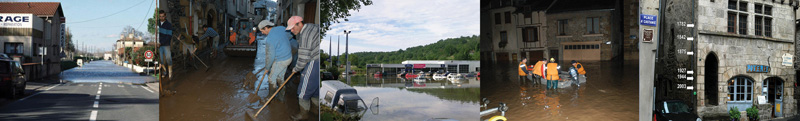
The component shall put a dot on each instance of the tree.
(335, 10)
(153, 22)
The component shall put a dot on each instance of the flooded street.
(406, 100)
(610, 93)
(218, 94)
(104, 71)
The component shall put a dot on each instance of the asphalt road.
(98, 91)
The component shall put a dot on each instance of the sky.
(104, 31)
(398, 24)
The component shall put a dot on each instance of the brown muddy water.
(219, 95)
(610, 93)
(408, 100)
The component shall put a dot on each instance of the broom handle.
(262, 80)
(273, 95)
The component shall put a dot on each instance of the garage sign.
(16, 20)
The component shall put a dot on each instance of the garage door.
(582, 52)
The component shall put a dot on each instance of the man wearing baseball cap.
(273, 53)
(307, 35)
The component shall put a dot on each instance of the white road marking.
(98, 92)
(51, 87)
(97, 97)
(95, 104)
(93, 117)
(145, 88)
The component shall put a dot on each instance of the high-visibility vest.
(233, 38)
(552, 71)
(537, 69)
(580, 69)
(252, 38)
(522, 72)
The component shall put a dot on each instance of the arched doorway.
(711, 79)
(773, 90)
(740, 92)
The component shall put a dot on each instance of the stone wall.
(576, 29)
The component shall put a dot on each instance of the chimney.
(29, 5)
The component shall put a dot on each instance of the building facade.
(588, 30)
(32, 33)
(742, 50)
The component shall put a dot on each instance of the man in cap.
(307, 62)
(279, 56)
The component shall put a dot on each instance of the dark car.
(12, 78)
(673, 110)
(328, 76)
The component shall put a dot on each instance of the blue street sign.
(648, 20)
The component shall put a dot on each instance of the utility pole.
(346, 46)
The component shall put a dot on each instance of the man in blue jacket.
(279, 56)
(164, 39)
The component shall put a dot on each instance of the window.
(768, 26)
(13, 48)
(740, 89)
(496, 18)
(581, 47)
(758, 25)
(731, 22)
(768, 10)
(732, 4)
(508, 17)
(530, 34)
(743, 6)
(503, 36)
(743, 24)
(758, 8)
(593, 25)
(527, 14)
(562, 26)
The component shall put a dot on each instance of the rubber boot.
(169, 68)
(302, 115)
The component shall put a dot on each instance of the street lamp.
(346, 46)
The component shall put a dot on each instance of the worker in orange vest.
(233, 36)
(538, 69)
(575, 71)
(523, 69)
(252, 36)
(552, 74)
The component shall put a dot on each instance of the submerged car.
(673, 110)
(340, 97)
(12, 78)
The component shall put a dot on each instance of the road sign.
(148, 56)
(647, 20)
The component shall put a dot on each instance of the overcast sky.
(398, 24)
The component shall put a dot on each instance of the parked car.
(12, 78)
(328, 76)
(673, 110)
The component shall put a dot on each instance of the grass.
(328, 114)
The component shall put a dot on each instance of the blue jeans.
(166, 56)
(552, 84)
(275, 76)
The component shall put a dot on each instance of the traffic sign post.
(148, 57)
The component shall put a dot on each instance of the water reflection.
(610, 93)
(420, 99)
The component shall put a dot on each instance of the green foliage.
(734, 113)
(461, 48)
(333, 11)
(153, 22)
(752, 113)
(138, 55)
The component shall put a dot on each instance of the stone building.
(742, 47)
(504, 35)
(584, 30)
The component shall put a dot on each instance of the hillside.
(461, 48)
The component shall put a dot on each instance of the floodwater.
(410, 100)
(219, 95)
(610, 93)
(104, 71)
